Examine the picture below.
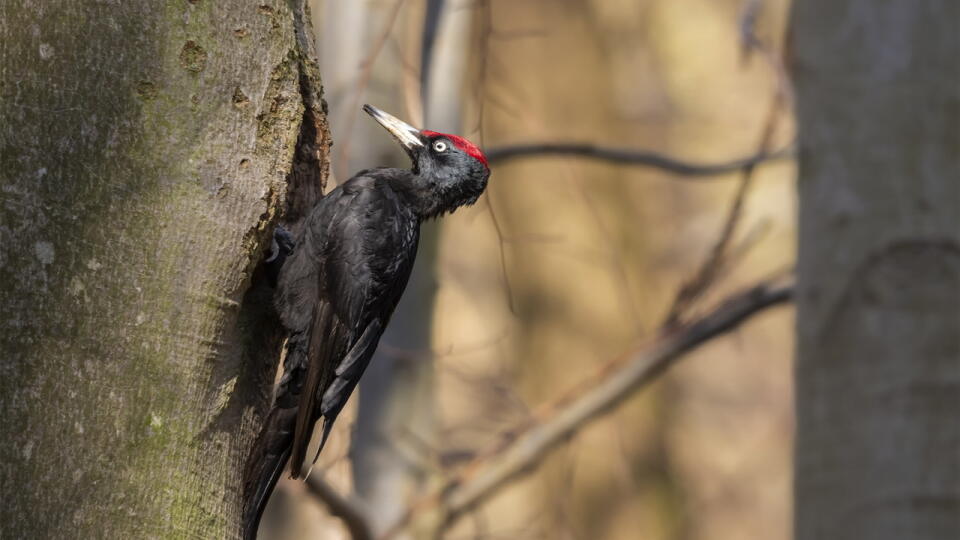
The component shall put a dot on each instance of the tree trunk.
(145, 152)
(878, 368)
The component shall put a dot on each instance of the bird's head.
(449, 168)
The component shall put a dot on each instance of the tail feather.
(271, 450)
(327, 426)
(265, 465)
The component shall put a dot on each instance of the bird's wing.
(346, 376)
(349, 317)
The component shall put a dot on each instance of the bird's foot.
(281, 246)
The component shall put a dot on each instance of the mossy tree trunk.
(878, 366)
(146, 149)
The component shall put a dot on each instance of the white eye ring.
(439, 146)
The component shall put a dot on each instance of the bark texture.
(145, 152)
(878, 367)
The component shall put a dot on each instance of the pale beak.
(408, 135)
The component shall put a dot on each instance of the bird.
(342, 275)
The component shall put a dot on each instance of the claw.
(281, 246)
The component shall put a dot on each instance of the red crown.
(468, 147)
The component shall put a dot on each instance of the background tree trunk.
(394, 442)
(145, 151)
(878, 370)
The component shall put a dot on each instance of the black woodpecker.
(338, 287)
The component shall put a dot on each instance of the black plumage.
(337, 290)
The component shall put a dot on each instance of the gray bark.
(878, 366)
(145, 152)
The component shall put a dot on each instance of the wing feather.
(361, 254)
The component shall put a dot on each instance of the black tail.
(265, 465)
(271, 450)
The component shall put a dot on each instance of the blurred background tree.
(878, 357)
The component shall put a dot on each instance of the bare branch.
(625, 156)
(719, 257)
(349, 511)
(523, 448)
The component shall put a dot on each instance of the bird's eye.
(439, 146)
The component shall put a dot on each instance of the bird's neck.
(426, 198)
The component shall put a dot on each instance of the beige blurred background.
(581, 261)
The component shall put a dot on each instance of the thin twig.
(719, 257)
(556, 422)
(366, 71)
(626, 156)
(349, 511)
(411, 79)
(511, 300)
(480, 96)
